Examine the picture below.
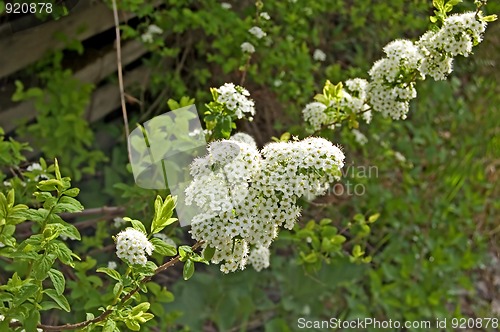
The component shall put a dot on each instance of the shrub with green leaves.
(396, 260)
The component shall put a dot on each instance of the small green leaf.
(188, 270)
(42, 266)
(10, 198)
(163, 248)
(73, 192)
(208, 253)
(136, 224)
(59, 299)
(373, 218)
(184, 251)
(109, 326)
(357, 252)
(58, 280)
(110, 272)
(338, 239)
(489, 18)
(56, 170)
(133, 325)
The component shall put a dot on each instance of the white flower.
(195, 132)
(259, 258)
(236, 99)
(399, 157)
(246, 47)
(359, 137)
(319, 55)
(226, 5)
(315, 115)
(244, 138)
(265, 16)
(152, 30)
(7, 184)
(257, 32)
(118, 222)
(112, 265)
(132, 246)
(34, 166)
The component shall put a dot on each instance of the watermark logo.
(162, 150)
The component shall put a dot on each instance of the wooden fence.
(19, 49)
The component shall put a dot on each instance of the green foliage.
(61, 130)
(409, 260)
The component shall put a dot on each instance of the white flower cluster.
(236, 99)
(152, 30)
(315, 114)
(246, 195)
(457, 37)
(319, 55)
(259, 258)
(353, 97)
(132, 246)
(38, 170)
(257, 32)
(247, 47)
(393, 78)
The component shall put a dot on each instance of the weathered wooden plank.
(92, 73)
(107, 98)
(20, 49)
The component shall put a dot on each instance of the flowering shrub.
(393, 78)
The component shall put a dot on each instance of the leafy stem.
(109, 311)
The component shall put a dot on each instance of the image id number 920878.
(28, 8)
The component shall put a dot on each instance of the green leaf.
(26, 292)
(136, 224)
(208, 253)
(133, 325)
(184, 251)
(56, 170)
(42, 266)
(163, 248)
(32, 320)
(58, 280)
(188, 270)
(71, 232)
(109, 326)
(373, 218)
(73, 192)
(49, 185)
(489, 18)
(357, 252)
(163, 213)
(68, 204)
(10, 198)
(173, 105)
(59, 299)
(110, 272)
(338, 239)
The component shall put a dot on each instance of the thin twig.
(120, 78)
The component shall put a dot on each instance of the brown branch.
(108, 312)
(106, 210)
